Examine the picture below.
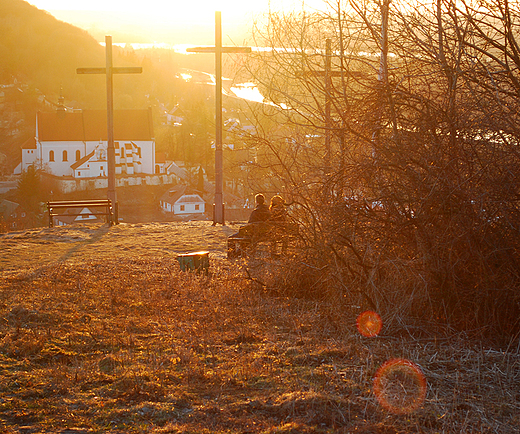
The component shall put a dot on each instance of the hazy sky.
(170, 21)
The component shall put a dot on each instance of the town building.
(181, 201)
(12, 216)
(74, 143)
(71, 216)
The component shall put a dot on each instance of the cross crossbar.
(331, 74)
(223, 50)
(115, 70)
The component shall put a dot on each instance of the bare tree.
(398, 141)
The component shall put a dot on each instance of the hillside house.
(74, 143)
(70, 216)
(12, 216)
(182, 201)
(173, 117)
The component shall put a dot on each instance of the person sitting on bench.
(277, 209)
(259, 214)
(278, 215)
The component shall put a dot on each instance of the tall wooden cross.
(109, 71)
(218, 49)
(328, 73)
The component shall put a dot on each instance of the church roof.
(91, 125)
(29, 143)
(181, 193)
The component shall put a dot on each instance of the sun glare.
(168, 21)
(369, 324)
(248, 91)
(400, 386)
(163, 8)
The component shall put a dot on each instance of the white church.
(74, 143)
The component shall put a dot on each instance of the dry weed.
(135, 345)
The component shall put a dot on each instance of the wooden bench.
(103, 207)
(253, 234)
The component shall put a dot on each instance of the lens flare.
(400, 386)
(369, 324)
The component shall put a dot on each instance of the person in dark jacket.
(261, 212)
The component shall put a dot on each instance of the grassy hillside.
(101, 332)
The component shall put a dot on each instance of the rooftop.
(91, 125)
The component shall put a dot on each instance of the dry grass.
(112, 337)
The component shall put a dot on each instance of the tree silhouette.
(29, 190)
(418, 203)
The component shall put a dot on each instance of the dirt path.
(32, 249)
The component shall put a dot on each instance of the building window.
(182, 207)
(197, 207)
(78, 155)
(51, 155)
(64, 155)
(79, 173)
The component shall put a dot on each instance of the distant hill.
(42, 52)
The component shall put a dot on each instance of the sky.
(168, 21)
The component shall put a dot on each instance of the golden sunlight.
(166, 21)
(163, 8)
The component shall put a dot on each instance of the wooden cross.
(218, 49)
(328, 73)
(109, 71)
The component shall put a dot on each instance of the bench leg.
(232, 251)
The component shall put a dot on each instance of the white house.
(181, 201)
(70, 216)
(74, 143)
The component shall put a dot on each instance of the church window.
(64, 155)
(78, 155)
(51, 155)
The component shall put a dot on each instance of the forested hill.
(42, 52)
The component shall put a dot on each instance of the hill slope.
(101, 332)
(41, 51)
